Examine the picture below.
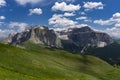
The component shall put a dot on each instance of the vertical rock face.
(87, 37)
(38, 35)
(94, 39)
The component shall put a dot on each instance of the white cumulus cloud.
(37, 11)
(113, 21)
(4, 33)
(59, 20)
(84, 18)
(93, 5)
(103, 22)
(12, 28)
(62, 6)
(2, 3)
(24, 2)
(18, 26)
(66, 1)
(114, 32)
(2, 17)
(116, 15)
(69, 14)
(81, 18)
(66, 28)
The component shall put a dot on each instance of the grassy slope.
(40, 63)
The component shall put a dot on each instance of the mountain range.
(40, 53)
(83, 40)
(79, 37)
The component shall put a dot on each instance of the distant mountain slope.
(80, 39)
(110, 53)
(85, 36)
(2, 40)
(35, 62)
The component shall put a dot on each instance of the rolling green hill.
(35, 62)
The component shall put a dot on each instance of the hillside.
(35, 62)
(110, 53)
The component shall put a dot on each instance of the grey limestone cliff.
(39, 35)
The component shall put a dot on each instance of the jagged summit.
(38, 35)
(82, 29)
(80, 39)
(36, 27)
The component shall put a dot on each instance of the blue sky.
(102, 15)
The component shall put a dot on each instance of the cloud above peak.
(18, 26)
(113, 21)
(63, 6)
(58, 20)
(12, 28)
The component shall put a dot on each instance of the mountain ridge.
(36, 61)
(79, 37)
(75, 40)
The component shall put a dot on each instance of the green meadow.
(37, 62)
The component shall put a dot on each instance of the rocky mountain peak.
(82, 29)
(85, 37)
(39, 35)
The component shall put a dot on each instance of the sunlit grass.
(37, 62)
